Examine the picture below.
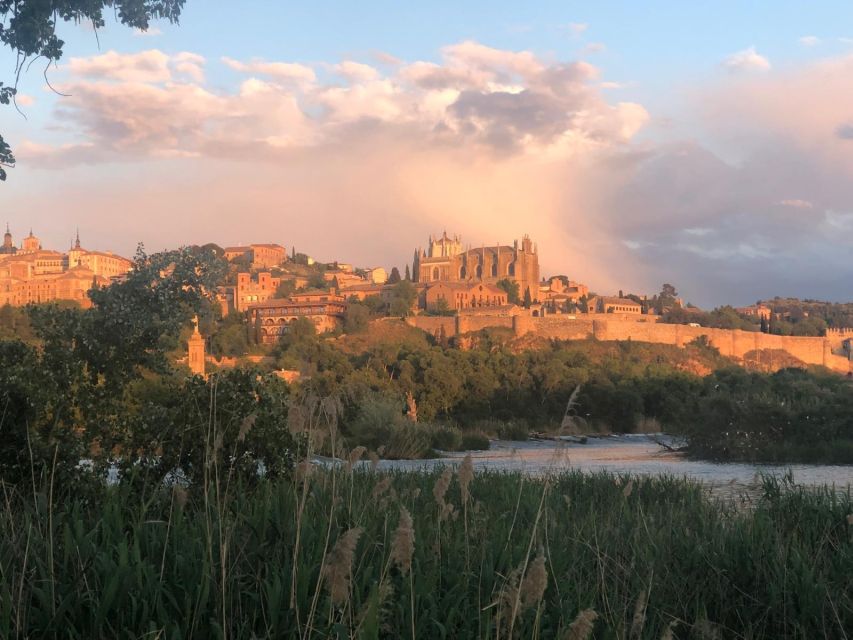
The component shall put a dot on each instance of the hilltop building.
(462, 295)
(273, 318)
(446, 260)
(608, 304)
(248, 291)
(258, 256)
(32, 274)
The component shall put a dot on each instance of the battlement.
(730, 342)
(845, 332)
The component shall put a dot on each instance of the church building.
(446, 260)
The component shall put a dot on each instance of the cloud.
(746, 60)
(797, 204)
(299, 74)
(24, 100)
(809, 41)
(577, 28)
(146, 67)
(155, 104)
(845, 131)
(594, 47)
(487, 142)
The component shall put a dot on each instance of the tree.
(666, 299)
(511, 288)
(29, 30)
(285, 289)
(403, 298)
(527, 298)
(408, 275)
(394, 278)
(356, 318)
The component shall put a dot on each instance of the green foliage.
(15, 324)
(789, 416)
(285, 289)
(249, 563)
(356, 318)
(230, 337)
(403, 298)
(394, 277)
(511, 288)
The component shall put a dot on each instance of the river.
(633, 454)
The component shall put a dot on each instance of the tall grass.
(349, 552)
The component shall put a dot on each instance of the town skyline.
(633, 143)
(542, 274)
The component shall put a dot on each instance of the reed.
(570, 556)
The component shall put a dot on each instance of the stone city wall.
(733, 343)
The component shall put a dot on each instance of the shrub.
(474, 441)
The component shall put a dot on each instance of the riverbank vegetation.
(349, 552)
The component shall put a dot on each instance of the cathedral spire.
(77, 240)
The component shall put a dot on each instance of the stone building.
(561, 295)
(31, 274)
(272, 319)
(463, 295)
(446, 260)
(607, 304)
(249, 291)
(259, 256)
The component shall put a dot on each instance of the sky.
(710, 147)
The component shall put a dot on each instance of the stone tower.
(8, 248)
(195, 347)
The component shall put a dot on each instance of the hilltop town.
(449, 289)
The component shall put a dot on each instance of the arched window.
(463, 273)
(479, 271)
(510, 270)
(495, 268)
(435, 273)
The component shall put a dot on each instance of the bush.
(474, 441)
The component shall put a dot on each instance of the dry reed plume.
(582, 626)
(338, 568)
(403, 545)
(639, 620)
(440, 490)
(534, 584)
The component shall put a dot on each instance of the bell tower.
(195, 348)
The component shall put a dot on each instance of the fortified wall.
(733, 343)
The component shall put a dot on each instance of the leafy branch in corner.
(28, 27)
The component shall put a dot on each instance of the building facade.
(259, 256)
(248, 291)
(445, 260)
(462, 295)
(31, 274)
(272, 319)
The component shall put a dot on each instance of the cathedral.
(446, 260)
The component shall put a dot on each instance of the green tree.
(356, 318)
(285, 289)
(29, 30)
(511, 288)
(527, 298)
(394, 278)
(408, 275)
(403, 298)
